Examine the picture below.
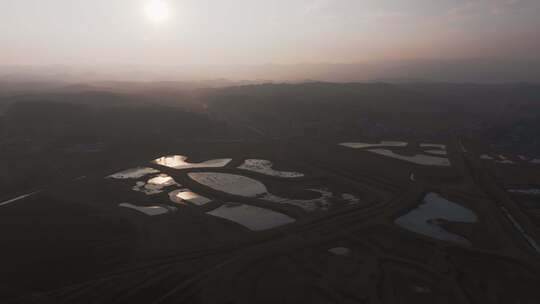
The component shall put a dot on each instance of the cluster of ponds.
(151, 182)
(434, 154)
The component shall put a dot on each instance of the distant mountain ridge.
(404, 71)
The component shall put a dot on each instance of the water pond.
(252, 217)
(426, 218)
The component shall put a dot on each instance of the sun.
(157, 11)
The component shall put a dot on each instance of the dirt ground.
(72, 243)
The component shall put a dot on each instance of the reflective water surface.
(426, 218)
(179, 162)
(248, 187)
(155, 185)
(420, 159)
(182, 196)
(360, 145)
(252, 217)
(265, 167)
(437, 152)
(150, 211)
(321, 203)
(230, 183)
(438, 146)
(133, 173)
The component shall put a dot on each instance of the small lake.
(437, 152)
(252, 217)
(230, 183)
(248, 187)
(155, 185)
(133, 173)
(182, 196)
(179, 162)
(361, 145)
(150, 211)
(437, 146)
(419, 159)
(265, 167)
(425, 218)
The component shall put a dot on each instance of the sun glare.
(157, 11)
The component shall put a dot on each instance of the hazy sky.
(168, 33)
